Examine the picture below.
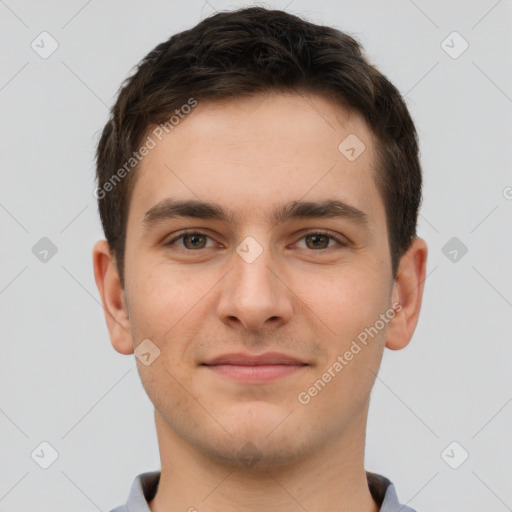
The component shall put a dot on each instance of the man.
(259, 186)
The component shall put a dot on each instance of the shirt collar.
(145, 485)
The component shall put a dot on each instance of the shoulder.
(384, 493)
(141, 493)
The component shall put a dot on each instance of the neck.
(333, 478)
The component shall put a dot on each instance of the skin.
(250, 155)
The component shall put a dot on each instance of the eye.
(320, 240)
(191, 240)
(316, 240)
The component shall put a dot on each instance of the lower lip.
(257, 373)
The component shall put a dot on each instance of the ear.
(112, 297)
(407, 295)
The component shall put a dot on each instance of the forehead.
(250, 153)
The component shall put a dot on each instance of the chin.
(256, 454)
(255, 419)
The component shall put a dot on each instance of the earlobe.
(112, 298)
(407, 295)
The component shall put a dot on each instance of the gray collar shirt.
(145, 486)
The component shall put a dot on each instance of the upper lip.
(240, 359)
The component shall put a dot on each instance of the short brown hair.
(258, 50)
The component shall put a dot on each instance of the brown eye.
(317, 241)
(190, 241)
(194, 241)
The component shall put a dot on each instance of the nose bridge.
(252, 268)
(253, 294)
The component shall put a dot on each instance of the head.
(293, 165)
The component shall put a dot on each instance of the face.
(291, 256)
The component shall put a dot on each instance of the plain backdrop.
(62, 383)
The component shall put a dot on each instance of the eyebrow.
(330, 208)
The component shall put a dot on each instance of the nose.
(254, 295)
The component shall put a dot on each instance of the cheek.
(346, 299)
(170, 308)
(161, 296)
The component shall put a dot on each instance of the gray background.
(60, 379)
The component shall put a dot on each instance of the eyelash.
(328, 234)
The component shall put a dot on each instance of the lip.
(268, 358)
(254, 368)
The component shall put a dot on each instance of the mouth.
(255, 368)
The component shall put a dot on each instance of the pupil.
(195, 240)
(317, 240)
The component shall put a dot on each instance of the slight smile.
(255, 368)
